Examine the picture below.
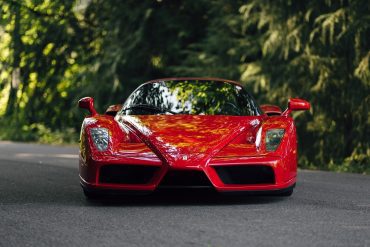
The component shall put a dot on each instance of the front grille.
(246, 174)
(126, 174)
(185, 178)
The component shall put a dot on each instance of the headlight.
(273, 138)
(100, 138)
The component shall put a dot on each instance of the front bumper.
(283, 172)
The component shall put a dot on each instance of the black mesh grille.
(185, 178)
(247, 174)
(126, 174)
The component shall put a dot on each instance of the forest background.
(53, 52)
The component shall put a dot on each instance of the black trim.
(260, 192)
(117, 192)
(113, 192)
(185, 178)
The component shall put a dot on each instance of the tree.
(54, 52)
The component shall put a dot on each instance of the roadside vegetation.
(52, 52)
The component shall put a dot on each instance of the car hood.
(188, 140)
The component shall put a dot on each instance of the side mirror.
(88, 104)
(113, 109)
(296, 104)
(271, 110)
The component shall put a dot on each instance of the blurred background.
(54, 52)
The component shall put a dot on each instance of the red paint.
(88, 104)
(296, 104)
(271, 109)
(193, 142)
(113, 109)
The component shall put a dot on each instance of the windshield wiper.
(150, 107)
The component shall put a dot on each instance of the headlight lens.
(273, 138)
(100, 138)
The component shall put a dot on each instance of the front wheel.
(91, 195)
(286, 193)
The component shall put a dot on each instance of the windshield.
(195, 97)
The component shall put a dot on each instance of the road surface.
(41, 204)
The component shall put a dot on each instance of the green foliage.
(36, 132)
(315, 50)
(54, 52)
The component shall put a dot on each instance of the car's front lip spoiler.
(118, 191)
(113, 192)
(259, 192)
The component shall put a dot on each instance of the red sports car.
(189, 132)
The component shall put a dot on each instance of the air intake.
(126, 174)
(246, 174)
(185, 178)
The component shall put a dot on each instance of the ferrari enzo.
(189, 132)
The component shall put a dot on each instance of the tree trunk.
(12, 107)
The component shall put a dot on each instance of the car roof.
(195, 79)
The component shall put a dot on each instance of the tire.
(90, 195)
(286, 193)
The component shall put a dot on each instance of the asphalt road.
(41, 204)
